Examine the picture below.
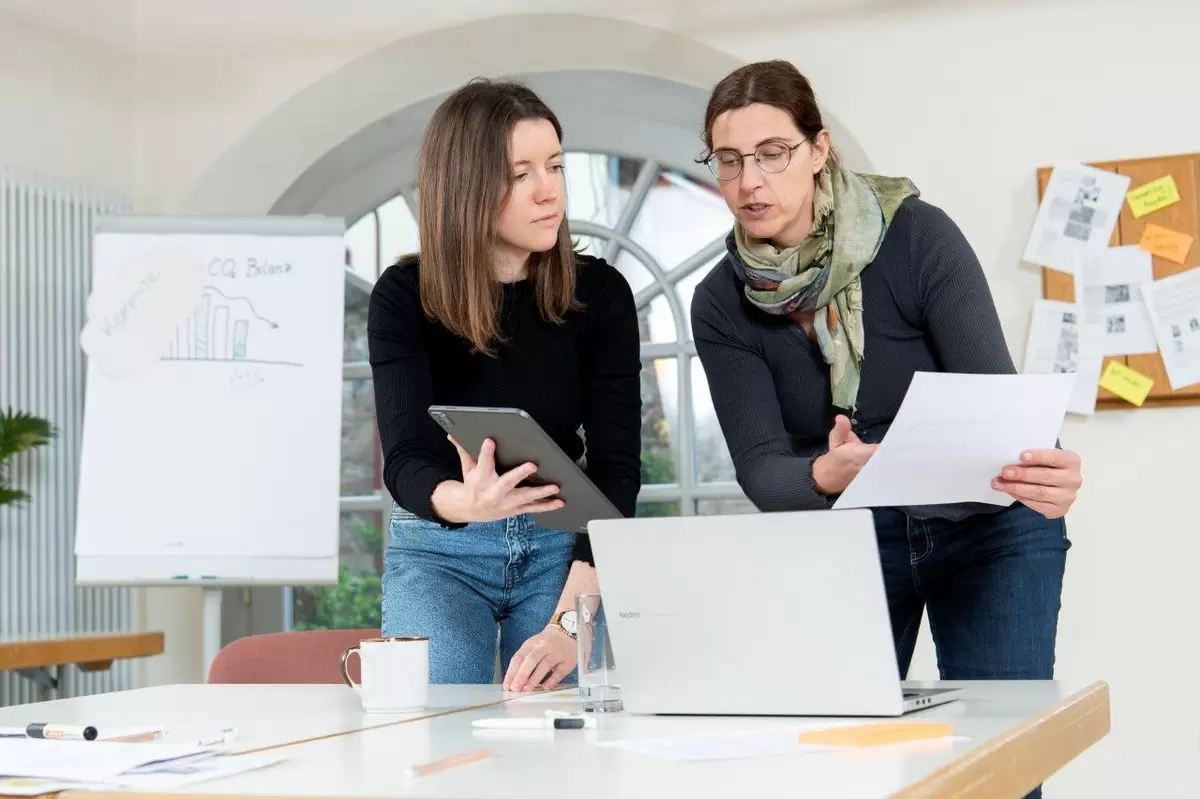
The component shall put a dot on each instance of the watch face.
(569, 622)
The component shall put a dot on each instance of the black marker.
(61, 732)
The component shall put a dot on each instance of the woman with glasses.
(497, 310)
(836, 287)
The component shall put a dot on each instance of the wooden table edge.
(73, 649)
(1019, 759)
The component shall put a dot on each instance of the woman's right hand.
(847, 454)
(485, 496)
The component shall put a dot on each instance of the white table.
(1018, 733)
(264, 715)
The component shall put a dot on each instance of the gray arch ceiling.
(337, 145)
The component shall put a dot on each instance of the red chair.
(312, 656)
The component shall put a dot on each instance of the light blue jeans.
(459, 587)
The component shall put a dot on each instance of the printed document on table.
(1109, 286)
(1174, 307)
(954, 433)
(1061, 342)
(90, 761)
(1079, 209)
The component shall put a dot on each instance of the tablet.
(519, 439)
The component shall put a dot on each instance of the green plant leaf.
(12, 496)
(19, 432)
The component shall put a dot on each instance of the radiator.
(45, 274)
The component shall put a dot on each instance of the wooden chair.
(311, 656)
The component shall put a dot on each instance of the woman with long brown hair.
(836, 287)
(497, 309)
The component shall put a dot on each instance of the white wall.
(967, 99)
(66, 104)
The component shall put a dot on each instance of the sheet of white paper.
(1109, 285)
(1173, 304)
(745, 744)
(954, 433)
(1060, 342)
(168, 777)
(1079, 209)
(85, 761)
(190, 772)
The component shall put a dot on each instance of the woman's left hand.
(542, 661)
(1046, 480)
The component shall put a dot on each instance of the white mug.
(395, 673)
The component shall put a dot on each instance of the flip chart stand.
(212, 627)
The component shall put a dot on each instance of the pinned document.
(1060, 341)
(1078, 213)
(1109, 286)
(1174, 307)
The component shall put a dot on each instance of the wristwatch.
(567, 621)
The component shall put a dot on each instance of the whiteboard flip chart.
(212, 424)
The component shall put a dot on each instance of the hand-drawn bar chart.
(223, 328)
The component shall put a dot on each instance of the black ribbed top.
(584, 374)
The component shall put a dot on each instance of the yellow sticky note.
(1127, 384)
(1169, 244)
(1153, 196)
(874, 734)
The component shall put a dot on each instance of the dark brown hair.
(463, 178)
(777, 83)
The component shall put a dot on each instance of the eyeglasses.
(770, 156)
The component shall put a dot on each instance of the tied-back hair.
(463, 179)
(776, 83)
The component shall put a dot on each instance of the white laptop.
(758, 614)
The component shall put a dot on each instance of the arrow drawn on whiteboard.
(241, 299)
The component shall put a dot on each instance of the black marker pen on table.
(62, 732)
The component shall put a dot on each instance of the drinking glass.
(599, 691)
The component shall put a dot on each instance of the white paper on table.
(1110, 287)
(1061, 342)
(736, 745)
(167, 776)
(1173, 304)
(1079, 209)
(176, 775)
(88, 761)
(953, 435)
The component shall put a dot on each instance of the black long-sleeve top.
(584, 374)
(926, 307)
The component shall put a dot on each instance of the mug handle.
(345, 665)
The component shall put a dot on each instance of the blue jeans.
(459, 587)
(992, 586)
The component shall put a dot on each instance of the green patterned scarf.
(851, 214)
